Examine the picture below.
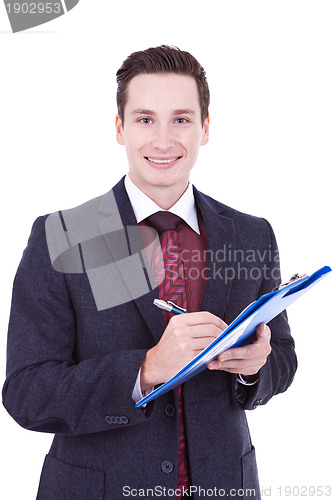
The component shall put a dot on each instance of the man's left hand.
(246, 360)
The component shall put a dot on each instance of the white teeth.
(162, 161)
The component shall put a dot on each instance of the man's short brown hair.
(162, 59)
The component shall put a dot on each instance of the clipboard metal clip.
(295, 277)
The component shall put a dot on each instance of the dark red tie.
(173, 288)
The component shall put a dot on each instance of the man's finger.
(202, 331)
(199, 318)
(263, 332)
(245, 352)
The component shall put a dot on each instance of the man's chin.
(165, 183)
(159, 180)
(162, 178)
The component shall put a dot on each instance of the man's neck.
(165, 197)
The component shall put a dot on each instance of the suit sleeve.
(45, 389)
(278, 373)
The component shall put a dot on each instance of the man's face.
(162, 130)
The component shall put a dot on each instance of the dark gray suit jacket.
(71, 370)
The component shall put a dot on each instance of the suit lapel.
(221, 244)
(124, 215)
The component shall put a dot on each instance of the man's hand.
(246, 360)
(184, 337)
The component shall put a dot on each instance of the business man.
(85, 341)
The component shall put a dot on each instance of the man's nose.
(163, 138)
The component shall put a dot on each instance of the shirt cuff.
(137, 395)
(242, 381)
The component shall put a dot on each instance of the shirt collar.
(143, 206)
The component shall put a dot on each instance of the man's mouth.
(162, 161)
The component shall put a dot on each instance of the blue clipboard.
(237, 333)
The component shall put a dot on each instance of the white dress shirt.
(144, 207)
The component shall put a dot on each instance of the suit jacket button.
(167, 466)
(169, 410)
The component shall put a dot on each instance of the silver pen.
(169, 306)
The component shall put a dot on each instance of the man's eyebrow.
(185, 111)
(141, 111)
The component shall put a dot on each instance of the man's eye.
(181, 120)
(145, 120)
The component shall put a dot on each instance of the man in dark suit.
(85, 341)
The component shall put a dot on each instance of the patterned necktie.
(173, 288)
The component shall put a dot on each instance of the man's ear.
(119, 131)
(205, 132)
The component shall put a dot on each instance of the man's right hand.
(184, 337)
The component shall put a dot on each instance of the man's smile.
(163, 161)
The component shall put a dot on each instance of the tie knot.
(162, 221)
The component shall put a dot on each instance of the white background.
(269, 65)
